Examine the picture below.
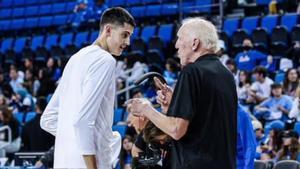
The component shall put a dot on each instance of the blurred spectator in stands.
(244, 83)
(95, 11)
(138, 67)
(259, 133)
(28, 81)
(17, 100)
(5, 87)
(291, 82)
(249, 58)
(275, 109)
(46, 83)
(81, 5)
(28, 65)
(222, 52)
(79, 12)
(290, 147)
(7, 118)
(294, 53)
(246, 141)
(273, 7)
(171, 72)
(53, 69)
(295, 111)
(260, 89)
(15, 81)
(125, 155)
(267, 150)
(231, 65)
(3, 100)
(34, 138)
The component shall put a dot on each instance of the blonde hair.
(204, 30)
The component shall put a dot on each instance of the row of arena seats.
(272, 34)
(284, 164)
(17, 3)
(40, 47)
(268, 22)
(37, 10)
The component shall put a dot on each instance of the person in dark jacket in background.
(34, 138)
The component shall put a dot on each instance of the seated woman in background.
(125, 156)
(6, 118)
(295, 111)
(291, 82)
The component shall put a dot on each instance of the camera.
(150, 157)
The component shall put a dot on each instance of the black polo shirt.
(205, 95)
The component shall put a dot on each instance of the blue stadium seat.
(31, 22)
(31, 2)
(30, 116)
(117, 3)
(151, 1)
(60, 20)
(17, 24)
(70, 6)
(153, 10)
(45, 21)
(250, 23)
(45, 1)
(121, 129)
(58, 8)
(80, 38)
(165, 32)
(19, 117)
(45, 9)
(138, 11)
(93, 36)
(37, 41)
(279, 77)
(135, 33)
(297, 127)
(266, 2)
(65, 40)
(51, 40)
(17, 12)
(19, 2)
(289, 21)
(19, 44)
(5, 13)
(269, 22)
(170, 9)
(6, 3)
(148, 32)
(230, 26)
(203, 5)
(31, 11)
(118, 115)
(5, 24)
(6, 44)
(134, 2)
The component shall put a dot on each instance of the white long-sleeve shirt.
(80, 112)
(295, 112)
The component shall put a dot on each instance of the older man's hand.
(138, 106)
(164, 95)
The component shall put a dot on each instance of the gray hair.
(204, 30)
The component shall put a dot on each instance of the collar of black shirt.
(209, 56)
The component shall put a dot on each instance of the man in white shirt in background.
(80, 112)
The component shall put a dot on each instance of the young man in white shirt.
(261, 88)
(80, 112)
